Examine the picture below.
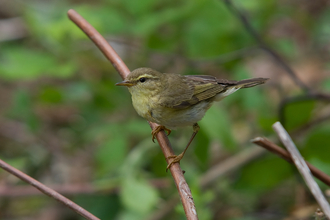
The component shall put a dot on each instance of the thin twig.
(302, 167)
(267, 144)
(72, 189)
(238, 13)
(112, 56)
(48, 191)
(27, 190)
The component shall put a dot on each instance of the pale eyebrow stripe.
(147, 76)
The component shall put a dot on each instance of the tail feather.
(233, 86)
(247, 83)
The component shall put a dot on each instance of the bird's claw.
(176, 159)
(157, 129)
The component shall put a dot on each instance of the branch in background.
(302, 167)
(265, 143)
(71, 189)
(26, 190)
(301, 98)
(112, 56)
(311, 93)
(240, 15)
(48, 191)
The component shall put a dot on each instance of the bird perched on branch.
(173, 100)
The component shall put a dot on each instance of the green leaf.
(265, 121)
(324, 166)
(52, 26)
(138, 157)
(20, 163)
(216, 125)
(138, 195)
(138, 127)
(265, 173)
(317, 143)
(111, 153)
(21, 63)
(139, 7)
(106, 20)
(102, 206)
(22, 109)
(298, 113)
(201, 149)
(212, 31)
(286, 47)
(63, 70)
(326, 82)
(51, 95)
(130, 215)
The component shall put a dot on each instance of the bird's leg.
(177, 159)
(157, 129)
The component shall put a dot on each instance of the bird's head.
(143, 81)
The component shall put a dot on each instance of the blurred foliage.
(63, 121)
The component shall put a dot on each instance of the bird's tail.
(233, 86)
(247, 83)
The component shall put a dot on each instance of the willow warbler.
(173, 100)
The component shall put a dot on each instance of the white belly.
(172, 118)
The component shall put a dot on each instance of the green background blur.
(65, 123)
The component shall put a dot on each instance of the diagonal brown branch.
(112, 56)
(48, 191)
(72, 189)
(265, 143)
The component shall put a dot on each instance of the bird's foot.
(157, 129)
(176, 159)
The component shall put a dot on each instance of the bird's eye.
(142, 79)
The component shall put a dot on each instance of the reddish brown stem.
(263, 142)
(47, 191)
(112, 56)
(71, 189)
(27, 190)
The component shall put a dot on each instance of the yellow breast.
(144, 104)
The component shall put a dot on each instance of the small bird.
(172, 100)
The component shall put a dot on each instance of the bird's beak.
(125, 83)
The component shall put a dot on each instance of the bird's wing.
(194, 90)
(206, 87)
